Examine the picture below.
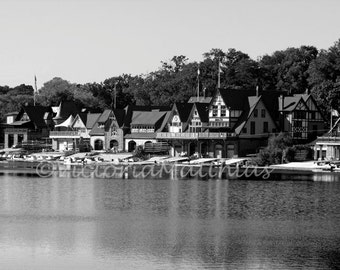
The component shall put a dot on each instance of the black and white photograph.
(169, 135)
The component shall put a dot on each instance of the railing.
(215, 135)
(191, 135)
(174, 135)
(328, 139)
(16, 130)
(70, 133)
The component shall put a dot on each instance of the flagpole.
(219, 74)
(331, 119)
(35, 90)
(198, 83)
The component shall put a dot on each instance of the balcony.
(16, 130)
(193, 136)
(328, 140)
(65, 134)
(175, 135)
(215, 135)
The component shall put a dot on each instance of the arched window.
(131, 146)
(98, 144)
(113, 143)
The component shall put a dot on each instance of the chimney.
(257, 91)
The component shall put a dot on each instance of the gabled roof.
(183, 110)
(96, 130)
(91, 119)
(203, 112)
(120, 116)
(67, 123)
(146, 118)
(102, 119)
(88, 119)
(104, 116)
(235, 99)
(248, 110)
(305, 97)
(36, 114)
(165, 121)
(289, 103)
(65, 109)
(134, 108)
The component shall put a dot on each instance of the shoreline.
(295, 170)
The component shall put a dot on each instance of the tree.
(58, 89)
(276, 149)
(324, 77)
(54, 91)
(287, 70)
(11, 99)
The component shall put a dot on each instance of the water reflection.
(168, 224)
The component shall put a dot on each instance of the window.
(300, 115)
(252, 127)
(255, 113)
(265, 127)
(315, 129)
(297, 129)
(223, 111)
(263, 113)
(312, 115)
(214, 110)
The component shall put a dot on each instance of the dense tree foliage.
(11, 99)
(293, 70)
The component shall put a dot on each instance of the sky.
(91, 40)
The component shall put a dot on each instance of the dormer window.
(223, 110)
(215, 110)
(25, 117)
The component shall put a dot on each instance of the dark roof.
(96, 130)
(104, 116)
(66, 108)
(271, 101)
(235, 98)
(289, 102)
(203, 111)
(248, 110)
(91, 119)
(36, 114)
(165, 121)
(183, 110)
(134, 108)
(120, 116)
(146, 118)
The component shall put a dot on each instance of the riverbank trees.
(294, 70)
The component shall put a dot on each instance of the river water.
(89, 223)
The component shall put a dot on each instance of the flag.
(198, 71)
(220, 66)
(335, 113)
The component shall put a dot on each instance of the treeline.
(293, 70)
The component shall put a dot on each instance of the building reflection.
(174, 222)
